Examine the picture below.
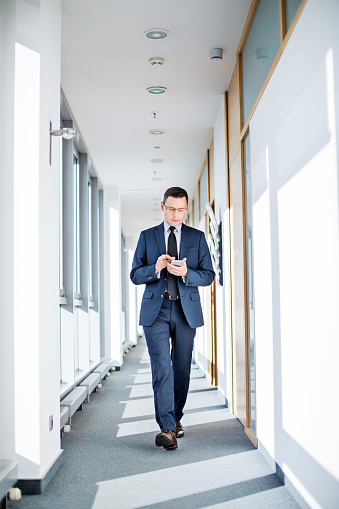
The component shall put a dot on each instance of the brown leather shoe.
(180, 429)
(166, 439)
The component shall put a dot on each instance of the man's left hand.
(178, 271)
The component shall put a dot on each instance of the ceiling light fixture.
(156, 131)
(156, 33)
(156, 90)
(156, 147)
(156, 160)
(156, 61)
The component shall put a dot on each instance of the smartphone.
(177, 262)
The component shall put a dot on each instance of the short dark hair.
(175, 192)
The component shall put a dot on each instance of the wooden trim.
(282, 17)
(230, 249)
(198, 191)
(214, 339)
(243, 180)
(208, 174)
(240, 89)
(247, 25)
(197, 187)
(251, 436)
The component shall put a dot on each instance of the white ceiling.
(106, 70)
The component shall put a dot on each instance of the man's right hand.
(162, 262)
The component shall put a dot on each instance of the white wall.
(113, 306)
(294, 164)
(131, 291)
(29, 373)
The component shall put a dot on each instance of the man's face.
(174, 210)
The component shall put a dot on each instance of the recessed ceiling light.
(156, 61)
(156, 160)
(156, 131)
(156, 33)
(156, 147)
(156, 90)
(155, 178)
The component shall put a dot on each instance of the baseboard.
(283, 477)
(38, 486)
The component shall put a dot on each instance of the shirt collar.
(167, 227)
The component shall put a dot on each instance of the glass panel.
(203, 190)
(61, 225)
(90, 268)
(249, 267)
(76, 167)
(291, 9)
(260, 49)
(196, 211)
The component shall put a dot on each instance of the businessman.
(171, 310)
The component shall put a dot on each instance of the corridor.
(110, 460)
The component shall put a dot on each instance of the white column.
(113, 307)
(29, 229)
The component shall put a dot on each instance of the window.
(76, 168)
(90, 244)
(259, 51)
(61, 228)
(291, 7)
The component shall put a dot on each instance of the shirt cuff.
(184, 279)
(158, 274)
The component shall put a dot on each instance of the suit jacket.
(193, 246)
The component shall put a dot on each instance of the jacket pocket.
(195, 296)
(147, 295)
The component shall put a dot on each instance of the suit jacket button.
(165, 279)
(162, 296)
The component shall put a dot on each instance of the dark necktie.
(172, 250)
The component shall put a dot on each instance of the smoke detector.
(216, 54)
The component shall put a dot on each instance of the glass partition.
(291, 7)
(249, 282)
(260, 49)
(76, 167)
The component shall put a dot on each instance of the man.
(171, 307)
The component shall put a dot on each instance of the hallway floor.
(110, 459)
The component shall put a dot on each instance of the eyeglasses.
(172, 209)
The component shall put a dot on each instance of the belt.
(168, 296)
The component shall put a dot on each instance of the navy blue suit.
(163, 319)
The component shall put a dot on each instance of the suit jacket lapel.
(184, 241)
(160, 237)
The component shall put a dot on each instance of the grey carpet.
(94, 454)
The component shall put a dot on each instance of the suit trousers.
(170, 343)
